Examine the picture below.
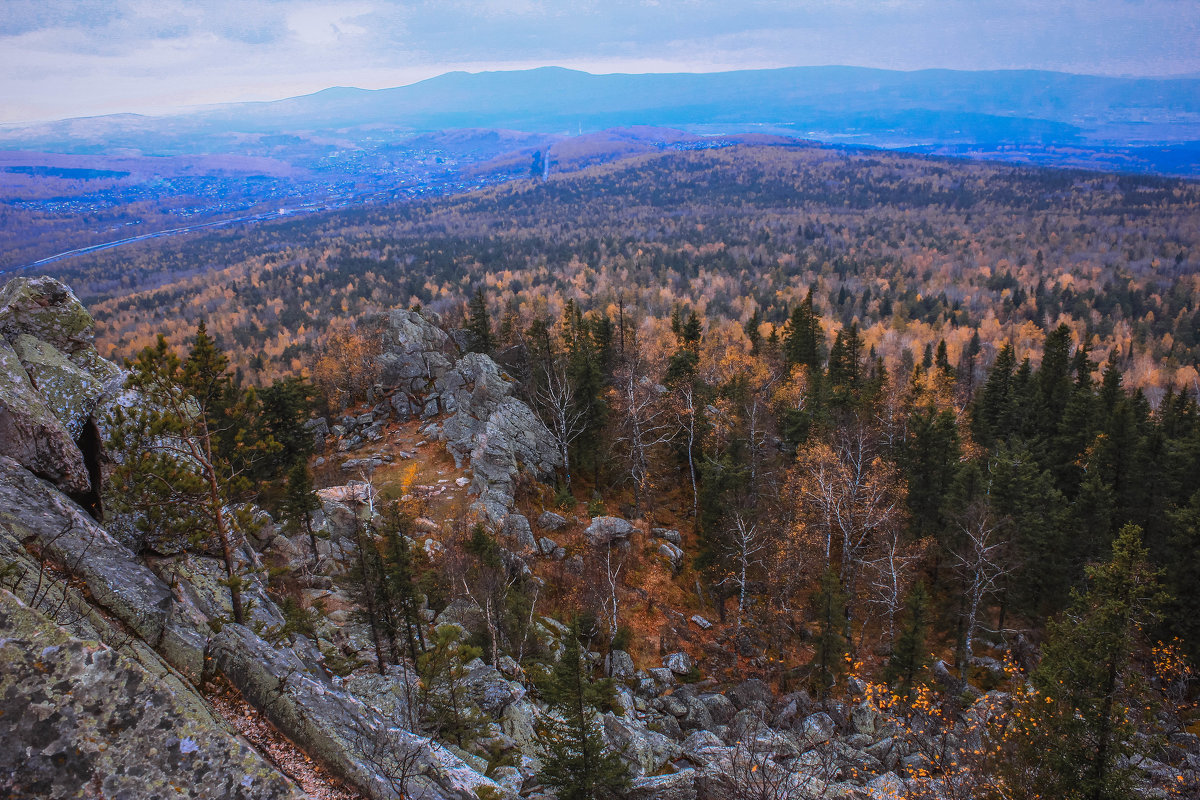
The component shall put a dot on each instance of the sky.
(67, 58)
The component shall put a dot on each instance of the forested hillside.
(908, 434)
(916, 251)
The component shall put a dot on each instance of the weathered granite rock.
(47, 310)
(676, 786)
(817, 728)
(672, 554)
(619, 664)
(47, 335)
(751, 692)
(498, 433)
(516, 529)
(30, 432)
(79, 720)
(33, 510)
(332, 725)
(415, 352)
(720, 707)
(679, 663)
(646, 751)
(668, 534)
(607, 530)
(492, 690)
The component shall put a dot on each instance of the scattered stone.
(619, 664)
(679, 663)
(549, 521)
(701, 622)
(671, 536)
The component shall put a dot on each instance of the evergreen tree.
(802, 343)
(993, 411)
(576, 763)
(445, 702)
(400, 581)
(909, 655)
(753, 333)
(173, 479)
(479, 324)
(1087, 683)
(300, 501)
(832, 641)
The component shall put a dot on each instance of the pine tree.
(802, 344)
(832, 639)
(479, 324)
(993, 410)
(576, 763)
(445, 702)
(909, 655)
(1087, 684)
(753, 333)
(172, 478)
(300, 501)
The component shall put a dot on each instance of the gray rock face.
(645, 750)
(751, 692)
(79, 720)
(516, 528)
(415, 352)
(52, 380)
(491, 688)
(667, 534)
(672, 554)
(33, 510)
(608, 530)
(31, 434)
(331, 725)
(619, 664)
(498, 433)
(817, 728)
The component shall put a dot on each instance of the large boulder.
(31, 510)
(676, 786)
(47, 310)
(77, 719)
(646, 751)
(608, 530)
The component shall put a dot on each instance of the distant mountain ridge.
(870, 106)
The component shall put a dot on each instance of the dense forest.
(917, 251)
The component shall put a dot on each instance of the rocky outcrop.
(495, 431)
(31, 434)
(416, 353)
(53, 384)
(79, 720)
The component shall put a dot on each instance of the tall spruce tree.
(803, 341)
(479, 324)
(576, 763)
(909, 655)
(1088, 688)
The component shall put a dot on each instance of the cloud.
(71, 57)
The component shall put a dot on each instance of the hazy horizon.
(64, 58)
